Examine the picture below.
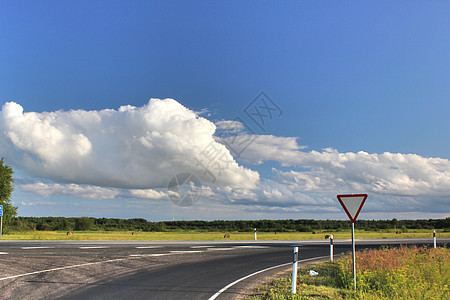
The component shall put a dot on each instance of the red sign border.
(353, 220)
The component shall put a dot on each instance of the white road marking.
(250, 275)
(79, 265)
(154, 254)
(93, 247)
(147, 247)
(28, 248)
(61, 268)
(195, 247)
(254, 247)
(186, 251)
(221, 249)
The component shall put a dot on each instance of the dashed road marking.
(93, 247)
(154, 254)
(253, 247)
(29, 248)
(195, 247)
(186, 251)
(3, 253)
(147, 247)
(61, 268)
(221, 249)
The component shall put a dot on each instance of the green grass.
(211, 236)
(324, 286)
(401, 273)
(398, 273)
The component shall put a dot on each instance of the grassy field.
(212, 236)
(398, 273)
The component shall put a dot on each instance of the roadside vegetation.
(396, 273)
(85, 228)
(190, 235)
(275, 226)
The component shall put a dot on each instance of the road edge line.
(256, 273)
(61, 268)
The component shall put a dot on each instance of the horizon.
(232, 220)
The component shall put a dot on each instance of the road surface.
(148, 270)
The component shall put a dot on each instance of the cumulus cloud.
(386, 173)
(148, 194)
(132, 147)
(90, 192)
(329, 170)
(263, 148)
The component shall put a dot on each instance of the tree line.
(140, 224)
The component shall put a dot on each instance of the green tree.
(394, 223)
(6, 189)
(84, 223)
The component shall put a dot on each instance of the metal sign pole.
(353, 256)
(294, 271)
(352, 204)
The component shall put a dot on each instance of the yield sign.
(352, 204)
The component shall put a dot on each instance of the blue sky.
(352, 76)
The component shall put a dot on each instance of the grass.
(211, 236)
(324, 286)
(397, 273)
(401, 273)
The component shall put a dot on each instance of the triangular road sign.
(352, 204)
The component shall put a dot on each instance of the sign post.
(352, 205)
(1, 220)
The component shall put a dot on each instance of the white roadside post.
(294, 271)
(434, 239)
(1, 220)
(352, 205)
(331, 248)
(255, 235)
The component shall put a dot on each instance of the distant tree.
(62, 224)
(42, 226)
(394, 223)
(84, 223)
(6, 189)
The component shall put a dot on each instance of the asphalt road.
(147, 270)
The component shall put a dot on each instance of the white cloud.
(141, 148)
(329, 170)
(263, 148)
(253, 148)
(90, 192)
(132, 147)
(396, 182)
(148, 194)
(386, 173)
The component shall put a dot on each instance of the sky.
(200, 110)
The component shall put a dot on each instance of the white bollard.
(255, 235)
(331, 248)
(294, 271)
(434, 238)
